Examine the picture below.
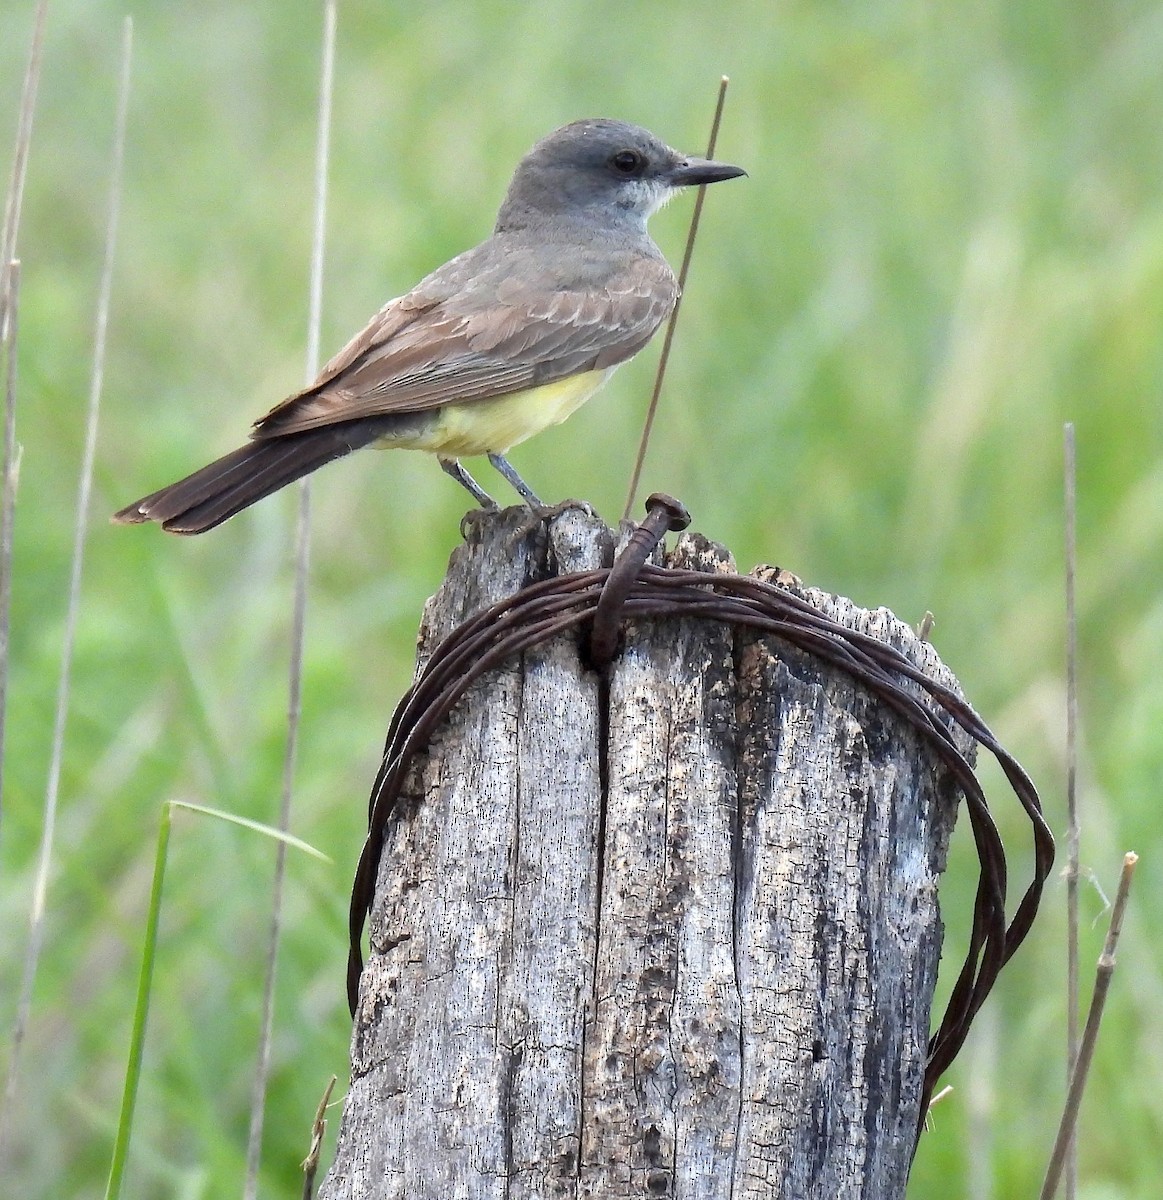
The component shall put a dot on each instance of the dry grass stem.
(11, 471)
(9, 288)
(668, 338)
(1106, 968)
(1072, 833)
(318, 1129)
(52, 790)
(299, 617)
(15, 198)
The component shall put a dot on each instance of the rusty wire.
(552, 606)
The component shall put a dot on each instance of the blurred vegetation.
(951, 242)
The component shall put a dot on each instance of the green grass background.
(951, 241)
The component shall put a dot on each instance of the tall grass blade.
(148, 956)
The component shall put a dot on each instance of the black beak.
(694, 171)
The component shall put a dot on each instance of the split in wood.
(552, 606)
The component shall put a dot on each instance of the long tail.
(245, 476)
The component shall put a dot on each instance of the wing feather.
(483, 326)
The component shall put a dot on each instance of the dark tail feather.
(245, 476)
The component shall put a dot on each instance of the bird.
(496, 345)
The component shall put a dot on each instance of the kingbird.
(495, 346)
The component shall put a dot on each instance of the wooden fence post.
(671, 930)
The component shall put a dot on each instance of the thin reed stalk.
(668, 339)
(11, 472)
(1072, 831)
(299, 617)
(9, 288)
(1078, 1078)
(52, 791)
(15, 197)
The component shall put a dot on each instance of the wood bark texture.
(670, 931)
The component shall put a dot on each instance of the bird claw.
(475, 519)
(547, 512)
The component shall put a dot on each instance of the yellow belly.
(492, 426)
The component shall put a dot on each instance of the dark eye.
(627, 162)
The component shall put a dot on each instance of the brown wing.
(495, 320)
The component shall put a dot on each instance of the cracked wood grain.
(669, 932)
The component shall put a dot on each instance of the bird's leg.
(451, 466)
(520, 486)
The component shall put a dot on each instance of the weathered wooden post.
(668, 929)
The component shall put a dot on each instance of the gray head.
(603, 171)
